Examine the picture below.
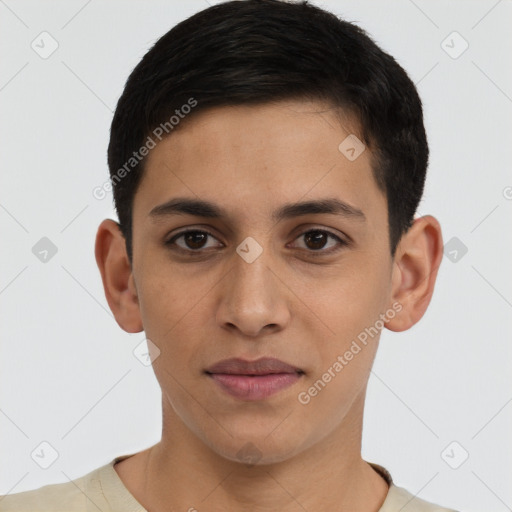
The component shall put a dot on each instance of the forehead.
(251, 159)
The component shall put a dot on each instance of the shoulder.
(399, 499)
(72, 496)
(50, 498)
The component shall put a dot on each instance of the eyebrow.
(207, 209)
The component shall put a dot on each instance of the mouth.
(253, 380)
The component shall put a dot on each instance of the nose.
(255, 300)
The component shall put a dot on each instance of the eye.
(193, 239)
(316, 239)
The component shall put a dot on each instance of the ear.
(117, 276)
(415, 267)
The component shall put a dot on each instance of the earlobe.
(415, 267)
(117, 276)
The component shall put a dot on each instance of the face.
(252, 279)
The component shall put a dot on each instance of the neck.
(182, 471)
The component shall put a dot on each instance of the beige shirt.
(103, 490)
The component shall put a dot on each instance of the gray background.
(438, 393)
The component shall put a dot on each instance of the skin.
(288, 304)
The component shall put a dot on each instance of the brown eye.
(316, 240)
(194, 240)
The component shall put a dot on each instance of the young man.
(267, 160)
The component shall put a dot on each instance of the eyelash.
(341, 243)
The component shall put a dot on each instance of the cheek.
(165, 308)
(348, 300)
(168, 294)
(349, 309)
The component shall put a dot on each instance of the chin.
(257, 450)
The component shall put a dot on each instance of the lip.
(253, 380)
